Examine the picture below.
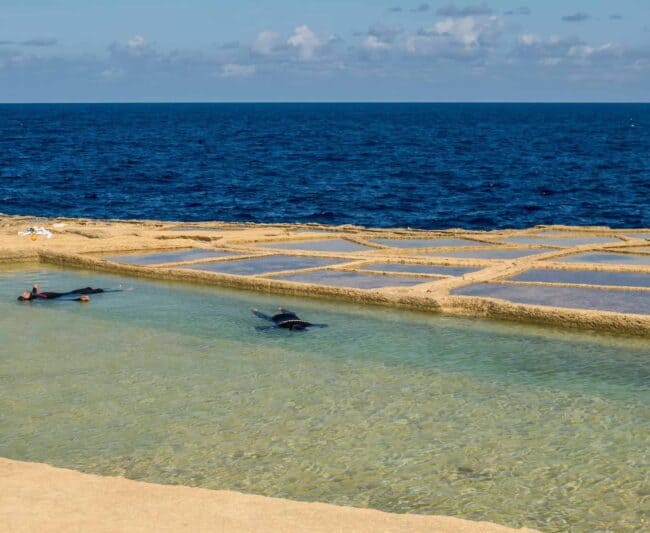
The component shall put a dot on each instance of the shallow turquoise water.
(398, 411)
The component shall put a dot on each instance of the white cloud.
(372, 42)
(136, 46)
(573, 53)
(605, 51)
(136, 42)
(305, 41)
(380, 37)
(641, 64)
(266, 43)
(465, 31)
(385, 34)
(233, 70)
(446, 46)
(455, 37)
(529, 39)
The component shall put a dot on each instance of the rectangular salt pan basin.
(624, 279)
(189, 228)
(553, 233)
(637, 302)
(569, 242)
(427, 243)
(169, 257)
(261, 265)
(352, 279)
(331, 245)
(420, 269)
(607, 257)
(489, 254)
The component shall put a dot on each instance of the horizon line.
(281, 102)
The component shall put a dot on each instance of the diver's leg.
(84, 290)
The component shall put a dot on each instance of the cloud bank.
(462, 50)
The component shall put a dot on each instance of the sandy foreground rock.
(39, 498)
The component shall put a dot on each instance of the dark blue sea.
(477, 166)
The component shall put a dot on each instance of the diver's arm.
(261, 315)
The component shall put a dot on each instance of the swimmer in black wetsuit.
(78, 295)
(287, 320)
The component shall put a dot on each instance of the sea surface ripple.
(476, 166)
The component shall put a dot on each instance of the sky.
(328, 50)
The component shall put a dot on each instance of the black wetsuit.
(54, 295)
(287, 320)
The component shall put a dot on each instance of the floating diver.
(77, 295)
(287, 320)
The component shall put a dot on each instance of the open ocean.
(477, 166)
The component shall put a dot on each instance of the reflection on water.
(393, 410)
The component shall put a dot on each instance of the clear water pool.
(562, 242)
(618, 301)
(440, 270)
(588, 277)
(426, 243)
(398, 411)
(155, 258)
(491, 254)
(327, 245)
(355, 280)
(265, 264)
(608, 257)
